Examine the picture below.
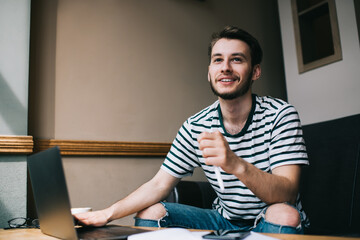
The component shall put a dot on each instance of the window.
(316, 33)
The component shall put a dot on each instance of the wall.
(14, 65)
(331, 91)
(131, 71)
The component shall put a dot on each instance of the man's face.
(230, 71)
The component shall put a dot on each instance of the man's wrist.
(109, 213)
(241, 167)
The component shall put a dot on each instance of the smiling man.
(227, 68)
(256, 142)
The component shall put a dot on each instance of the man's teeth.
(226, 80)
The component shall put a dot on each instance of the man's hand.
(96, 218)
(280, 186)
(216, 151)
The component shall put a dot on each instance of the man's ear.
(209, 77)
(256, 72)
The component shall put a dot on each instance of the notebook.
(53, 204)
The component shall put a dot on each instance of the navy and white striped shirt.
(271, 137)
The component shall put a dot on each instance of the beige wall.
(131, 70)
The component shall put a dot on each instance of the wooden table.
(35, 234)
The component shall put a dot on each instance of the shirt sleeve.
(181, 159)
(287, 143)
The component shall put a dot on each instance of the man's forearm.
(280, 186)
(146, 195)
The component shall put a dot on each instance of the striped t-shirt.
(271, 137)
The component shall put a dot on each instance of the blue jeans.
(184, 216)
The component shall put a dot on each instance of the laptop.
(53, 204)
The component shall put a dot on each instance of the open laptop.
(53, 204)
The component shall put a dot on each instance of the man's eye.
(217, 60)
(237, 60)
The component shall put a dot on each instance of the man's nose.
(226, 66)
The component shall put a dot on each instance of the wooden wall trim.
(16, 144)
(26, 145)
(105, 148)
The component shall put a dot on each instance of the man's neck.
(235, 112)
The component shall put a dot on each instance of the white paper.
(184, 234)
(258, 236)
(170, 233)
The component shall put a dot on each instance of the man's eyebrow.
(216, 55)
(239, 54)
(233, 54)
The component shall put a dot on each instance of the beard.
(235, 94)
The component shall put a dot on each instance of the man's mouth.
(226, 80)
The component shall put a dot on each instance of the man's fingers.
(84, 218)
(203, 135)
(206, 139)
(208, 135)
(206, 143)
(209, 152)
(212, 161)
